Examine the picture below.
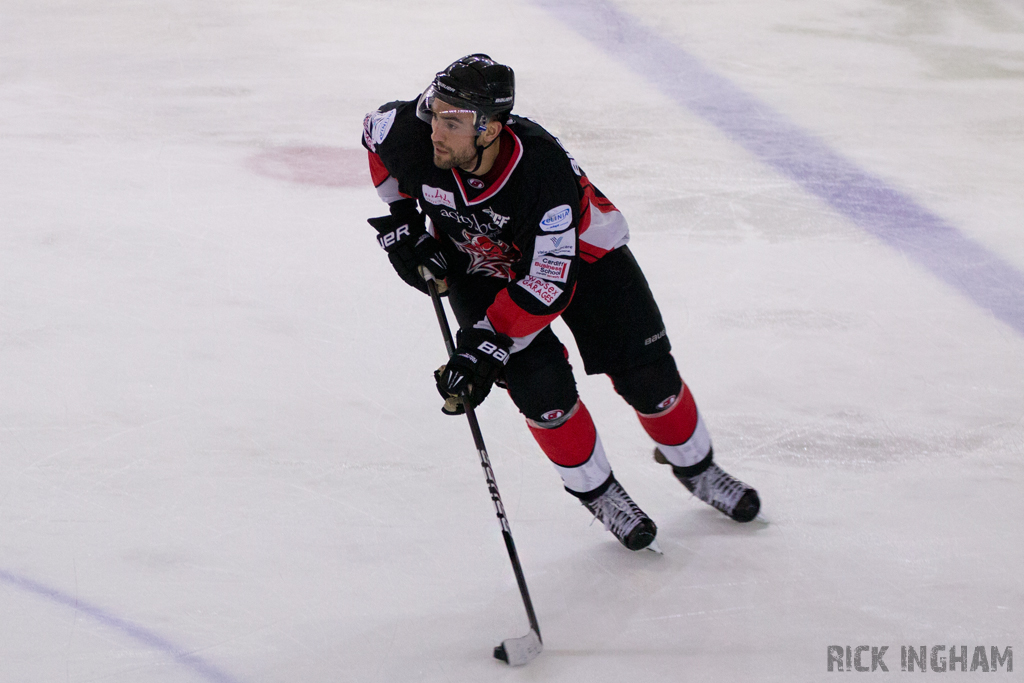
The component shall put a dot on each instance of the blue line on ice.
(134, 631)
(893, 218)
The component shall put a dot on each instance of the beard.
(454, 158)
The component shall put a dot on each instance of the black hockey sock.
(694, 470)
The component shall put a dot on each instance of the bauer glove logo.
(390, 239)
(496, 352)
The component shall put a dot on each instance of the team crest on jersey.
(488, 256)
(476, 183)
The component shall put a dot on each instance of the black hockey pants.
(617, 327)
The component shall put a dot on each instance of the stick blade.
(519, 651)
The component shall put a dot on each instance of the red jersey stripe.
(517, 154)
(507, 317)
(377, 171)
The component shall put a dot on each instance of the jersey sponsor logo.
(550, 268)
(555, 245)
(498, 219)
(472, 222)
(542, 289)
(557, 219)
(439, 197)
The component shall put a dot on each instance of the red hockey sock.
(575, 449)
(570, 443)
(675, 424)
(679, 431)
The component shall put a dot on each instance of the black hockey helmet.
(476, 83)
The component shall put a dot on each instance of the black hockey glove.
(403, 235)
(479, 358)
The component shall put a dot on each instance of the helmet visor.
(455, 119)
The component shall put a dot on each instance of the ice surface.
(222, 457)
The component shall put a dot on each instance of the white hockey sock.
(691, 452)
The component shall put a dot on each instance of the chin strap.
(480, 152)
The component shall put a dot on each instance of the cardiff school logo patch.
(550, 268)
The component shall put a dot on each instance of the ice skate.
(622, 516)
(717, 488)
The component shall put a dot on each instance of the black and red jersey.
(529, 220)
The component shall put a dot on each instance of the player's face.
(453, 134)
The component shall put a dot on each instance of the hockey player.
(518, 236)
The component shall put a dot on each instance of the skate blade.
(654, 547)
(519, 651)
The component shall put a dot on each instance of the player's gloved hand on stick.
(403, 235)
(480, 356)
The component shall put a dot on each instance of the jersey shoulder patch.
(376, 126)
(401, 140)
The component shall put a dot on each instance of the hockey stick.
(514, 651)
